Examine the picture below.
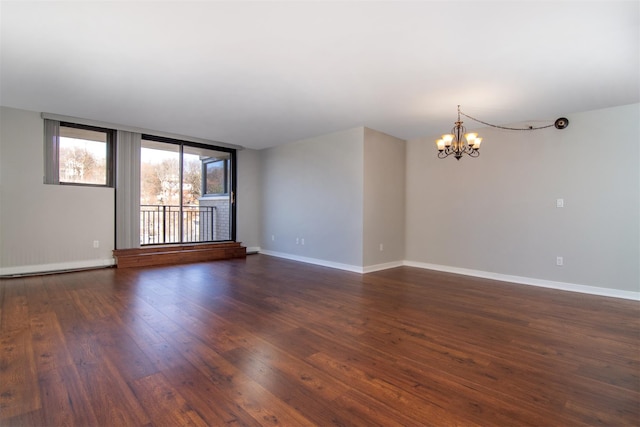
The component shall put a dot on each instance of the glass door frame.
(232, 185)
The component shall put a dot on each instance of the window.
(216, 176)
(78, 154)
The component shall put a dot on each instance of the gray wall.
(313, 190)
(249, 199)
(384, 198)
(343, 193)
(498, 213)
(47, 226)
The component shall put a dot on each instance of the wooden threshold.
(177, 254)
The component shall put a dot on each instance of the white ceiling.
(258, 74)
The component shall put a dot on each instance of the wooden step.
(177, 254)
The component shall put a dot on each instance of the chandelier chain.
(503, 127)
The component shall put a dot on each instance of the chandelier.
(453, 143)
(458, 142)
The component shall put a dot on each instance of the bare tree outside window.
(82, 156)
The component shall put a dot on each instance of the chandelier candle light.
(458, 142)
(453, 143)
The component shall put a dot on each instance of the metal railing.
(168, 223)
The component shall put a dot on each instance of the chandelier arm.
(503, 127)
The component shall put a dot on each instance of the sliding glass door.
(186, 192)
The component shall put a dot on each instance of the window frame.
(110, 155)
(225, 185)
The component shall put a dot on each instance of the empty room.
(319, 213)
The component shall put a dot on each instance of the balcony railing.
(167, 223)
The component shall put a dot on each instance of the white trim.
(253, 250)
(572, 287)
(385, 266)
(57, 267)
(316, 261)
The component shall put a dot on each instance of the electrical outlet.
(273, 237)
(297, 240)
(559, 261)
(302, 241)
(381, 247)
(559, 203)
(96, 244)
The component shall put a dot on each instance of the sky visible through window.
(95, 148)
(152, 155)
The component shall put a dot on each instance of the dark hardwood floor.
(266, 341)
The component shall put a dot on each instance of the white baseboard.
(385, 266)
(56, 267)
(572, 287)
(253, 250)
(337, 265)
(563, 286)
(315, 261)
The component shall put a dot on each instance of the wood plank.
(123, 350)
(66, 398)
(314, 399)
(15, 309)
(37, 297)
(217, 408)
(184, 378)
(19, 392)
(102, 380)
(256, 400)
(49, 346)
(111, 398)
(163, 403)
(33, 418)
